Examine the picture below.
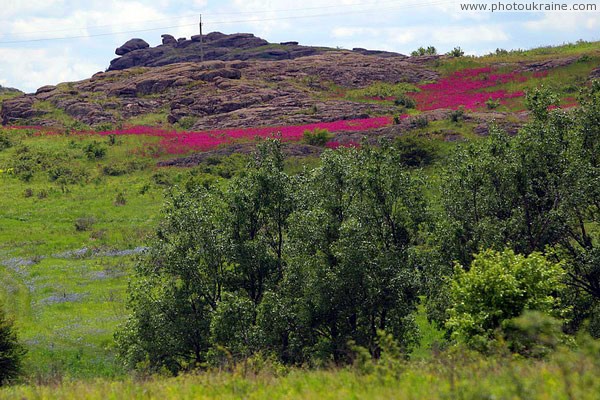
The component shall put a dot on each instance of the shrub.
(5, 141)
(316, 137)
(11, 351)
(420, 121)
(84, 223)
(421, 51)
(532, 334)
(94, 151)
(457, 115)
(456, 52)
(66, 175)
(120, 200)
(186, 122)
(415, 151)
(405, 101)
(492, 104)
(498, 287)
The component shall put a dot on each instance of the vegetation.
(371, 271)
(11, 351)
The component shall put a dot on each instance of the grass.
(457, 375)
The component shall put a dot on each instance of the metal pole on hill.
(201, 41)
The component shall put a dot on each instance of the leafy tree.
(11, 351)
(500, 286)
(177, 285)
(351, 270)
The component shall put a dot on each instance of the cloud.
(564, 22)
(29, 69)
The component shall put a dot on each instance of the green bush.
(5, 141)
(500, 286)
(456, 52)
(492, 104)
(94, 151)
(405, 101)
(415, 151)
(420, 121)
(11, 351)
(457, 115)
(532, 334)
(316, 137)
(421, 51)
(186, 122)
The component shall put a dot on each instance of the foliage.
(500, 286)
(457, 115)
(267, 265)
(94, 151)
(415, 151)
(11, 351)
(383, 90)
(492, 104)
(316, 137)
(456, 52)
(405, 101)
(421, 51)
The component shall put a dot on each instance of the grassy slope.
(68, 305)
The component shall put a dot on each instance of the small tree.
(11, 351)
(500, 286)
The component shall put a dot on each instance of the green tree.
(500, 286)
(177, 285)
(538, 189)
(11, 351)
(350, 268)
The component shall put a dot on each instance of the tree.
(537, 190)
(215, 251)
(498, 287)
(177, 285)
(11, 351)
(350, 269)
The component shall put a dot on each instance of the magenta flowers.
(174, 142)
(466, 88)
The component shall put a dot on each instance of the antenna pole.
(201, 41)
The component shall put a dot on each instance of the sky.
(46, 42)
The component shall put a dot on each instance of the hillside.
(86, 167)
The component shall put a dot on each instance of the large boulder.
(168, 39)
(131, 45)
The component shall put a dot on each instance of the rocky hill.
(221, 93)
(216, 46)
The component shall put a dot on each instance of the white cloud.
(564, 22)
(29, 69)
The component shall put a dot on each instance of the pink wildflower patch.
(466, 88)
(174, 142)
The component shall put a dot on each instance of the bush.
(457, 115)
(532, 334)
(186, 122)
(84, 223)
(94, 151)
(316, 137)
(5, 141)
(11, 351)
(498, 287)
(492, 104)
(405, 101)
(120, 200)
(420, 122)
(421, 51)
(456, 52)
(415, 151)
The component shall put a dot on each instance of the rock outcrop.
(131, 45)
(224, 94)
(216, 46)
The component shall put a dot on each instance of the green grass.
(454, 375)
